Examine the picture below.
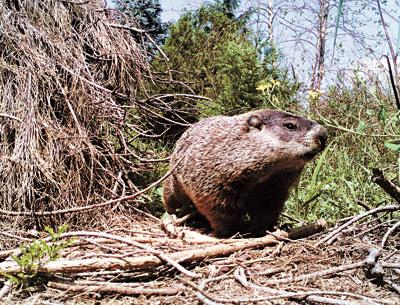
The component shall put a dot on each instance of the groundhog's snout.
(321, 138)
(318, 137)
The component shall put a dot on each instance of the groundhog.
(238, 170)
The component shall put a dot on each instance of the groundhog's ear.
(255, 120)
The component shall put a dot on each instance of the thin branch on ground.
(332, 236)
(315, 275)
(389, 232)
(114, 288)
(314, 296)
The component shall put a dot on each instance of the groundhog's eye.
(290, 126)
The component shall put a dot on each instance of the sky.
(173, 8)
(298, 53)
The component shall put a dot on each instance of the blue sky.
(300, 54)
(173, 8)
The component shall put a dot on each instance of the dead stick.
(308, 230)
(388, 186)
(141, 262)
(330, 237)
(316, 274)
(388, 233)
(161, 255)
(5, 289)
(114, 288)
(390, 265)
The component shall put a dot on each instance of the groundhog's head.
(287, 137)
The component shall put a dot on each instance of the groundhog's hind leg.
(174, 197)
(264, 218)
(224, 220)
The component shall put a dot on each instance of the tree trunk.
(392, 54)
(270, 21)
(318, 67)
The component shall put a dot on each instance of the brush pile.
(68, 82)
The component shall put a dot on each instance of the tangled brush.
(67, 78)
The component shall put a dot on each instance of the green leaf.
(382, 115)
(14, 280)
(62, 229)
(361, 126)
(370, 112)
(159, 191)
(321, 161)
(393, 145)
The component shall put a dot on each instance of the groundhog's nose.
(322, 137)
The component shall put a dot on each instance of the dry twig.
(331, 236)
(388, 233)
(114, 288)
(389, 187)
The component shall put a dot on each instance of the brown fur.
(237, 171)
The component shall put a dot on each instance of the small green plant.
(363, 127)
(393, 145)
(36, 253)
(305, 196)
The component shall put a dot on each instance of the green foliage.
(36, 253)
(229, 7)
(216, 56)
(147, 13)
(361, 118)
(278, 92)
(393, 145)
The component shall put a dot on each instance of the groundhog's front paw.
(169, 224)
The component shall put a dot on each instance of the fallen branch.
(388, 233)
(332, 236)
(317, 274)
(308, 230)
(114, 288)
(5, 289)
(388, 186)
(150, 261)
(143, 262)
(391, 265)
(393, 285)
(159, 254)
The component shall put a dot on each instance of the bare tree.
(318, 68)
(393, 69)
(304, 32)
(270, 22)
